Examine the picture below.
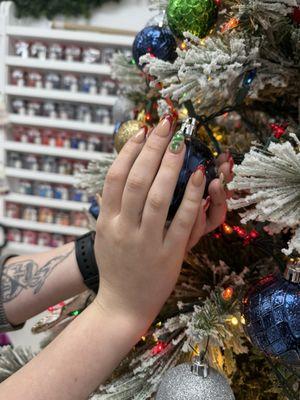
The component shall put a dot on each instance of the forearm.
(79, 360)
(30, 284)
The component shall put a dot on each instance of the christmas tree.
(230, 71)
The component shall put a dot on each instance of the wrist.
(131, 325)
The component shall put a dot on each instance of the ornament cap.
(292, 272)
(200, 368)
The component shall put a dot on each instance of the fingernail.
(165, 126)
(207, 203)
(231, 163)
(198, 177)
(177, 143)
(202, 169)
(228, 154)
(140, 136)
(222, 180)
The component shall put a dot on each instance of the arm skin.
(30, 284)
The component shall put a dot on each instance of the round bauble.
(180, 383)
(197, 154)
(126, 131)
(271, 309)
(123, 110)
(194, 16)
(156, 40)
(94, 209)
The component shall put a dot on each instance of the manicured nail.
(198, 177)
(202, 169)
(141, 135)
(165, 126)
(177, 143)
(222, 181)
(207, 203)
(231, 163)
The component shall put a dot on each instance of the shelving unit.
(10, 32)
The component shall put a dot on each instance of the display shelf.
(60, 95)
(24, 248)
(61, 124)
(45, 202)
(57, 65)
(21, 173)
(40, 227)
(81, 37)
(54, 151)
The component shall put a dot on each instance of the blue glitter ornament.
(272, 313)
(197, 153)
(94, 209)
(156, 40)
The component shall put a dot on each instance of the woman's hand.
(139, 259)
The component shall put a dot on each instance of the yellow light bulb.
(243, 321)
(234, 321)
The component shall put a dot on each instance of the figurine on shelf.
(15, 160)
(79, 195)
(34, 108)
(35, 80)
(70, 83)
(108, 87)
(64, 167)
(62, 218)
(88, 84)
(79, 219)
(57, 240)
(107, 55)
(30, 214)
(46, 215)
(13, 210)
(18, 77)
(22, 49)
(72, 53)
(66, 111)
(102, 115)
(31, 162)
(44, 190)
(49, 110)
(44, 239)
(61, 193)
(56, 51)
(91, 55)
(14, 235)
(25, 187)
(19, 106)
(34, 136)
(30, 237)
(48, 164)
(84, 113)
(94, 144)
(52, 81)
(38, 50)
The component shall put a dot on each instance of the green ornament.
(194, 16)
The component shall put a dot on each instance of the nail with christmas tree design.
(177, 143)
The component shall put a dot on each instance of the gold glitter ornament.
(126, 131)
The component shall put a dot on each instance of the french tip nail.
(207, 203)
(198, 177)
(202, 169)
(222, 181)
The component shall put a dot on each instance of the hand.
(139, 259)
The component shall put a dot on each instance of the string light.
(243, 321)
(231, 24)
(234, 321)
(227, 229)
(160, 346)
(228, 293)
(183, 46)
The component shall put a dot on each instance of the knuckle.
(156, 202)
(113, 176)
(153, 146)
(135, 183)
(183, 224)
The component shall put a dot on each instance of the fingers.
(118, 173)
(181, 228)
(144, 171)
(218, 207)
(162, 190)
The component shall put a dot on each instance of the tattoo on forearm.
(27, 275)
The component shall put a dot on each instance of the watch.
(86, 260)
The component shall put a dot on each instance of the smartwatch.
(86, 260)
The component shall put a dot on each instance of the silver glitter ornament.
(123, 110)
(196, 382)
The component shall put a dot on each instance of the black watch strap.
(86, 260)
